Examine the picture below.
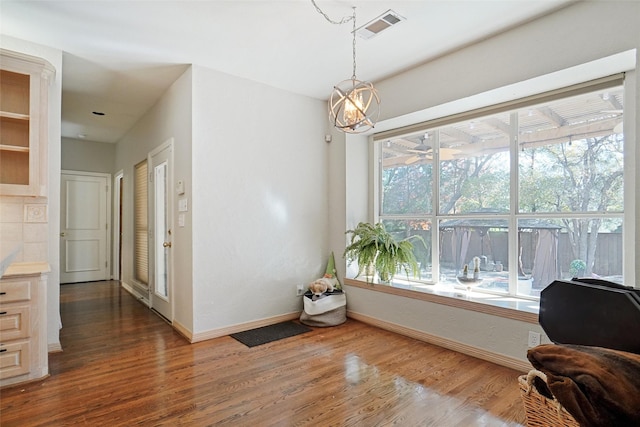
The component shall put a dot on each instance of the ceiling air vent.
(379, 24)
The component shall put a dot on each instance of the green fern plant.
(375, 248)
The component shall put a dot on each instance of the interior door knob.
(63, 234)
(166, 245)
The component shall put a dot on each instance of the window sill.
(497, 305)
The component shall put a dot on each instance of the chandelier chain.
(354, 44)
(344, 20)
(354, 106)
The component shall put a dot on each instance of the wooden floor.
(124, 366)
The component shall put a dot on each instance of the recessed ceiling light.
(98, 113)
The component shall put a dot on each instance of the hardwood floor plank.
(122, 365)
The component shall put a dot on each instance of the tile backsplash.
(24, 225)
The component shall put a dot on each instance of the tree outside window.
(564, 157)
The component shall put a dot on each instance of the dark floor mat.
(270, 333)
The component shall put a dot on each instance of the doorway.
(161, 229)
(84, 226)
(118, 194)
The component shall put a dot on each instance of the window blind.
(541, 98)
(141, 224)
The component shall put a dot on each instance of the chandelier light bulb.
(354, 106)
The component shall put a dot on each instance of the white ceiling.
(120, 56)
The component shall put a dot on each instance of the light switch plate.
(180, 187)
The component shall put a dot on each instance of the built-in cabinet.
(24, 106)
(23, 323)
(24, 86)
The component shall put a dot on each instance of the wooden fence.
(608, 255)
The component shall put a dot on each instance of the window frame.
(514, 214)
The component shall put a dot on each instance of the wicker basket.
(540, 410)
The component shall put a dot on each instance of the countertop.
(26, 269)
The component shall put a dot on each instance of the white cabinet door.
(84, 227)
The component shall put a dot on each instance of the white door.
(118, 187)
(84, 227)
(160, 226)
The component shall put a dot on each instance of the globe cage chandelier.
(354, 105)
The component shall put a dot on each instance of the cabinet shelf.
(15, 148)
(14, 116)
(24, 87)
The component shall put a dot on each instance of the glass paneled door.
(161, 230)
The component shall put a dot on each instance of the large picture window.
(530, 194)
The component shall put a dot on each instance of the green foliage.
(374, 247)
(407, 189)
(473, 183)
(585, 175)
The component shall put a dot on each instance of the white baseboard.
(183, 330)
(136, 294)
(227, 330)
(480, 353)
(54, 347)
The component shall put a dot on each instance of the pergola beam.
(529, 140)
(552, 115)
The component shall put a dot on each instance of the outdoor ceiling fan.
(619, 126)
(423, 151)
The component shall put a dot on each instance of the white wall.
(54, 56)
(580, 33)
(337, 173)
(583, 32)
(88, 156)
(260, 199)
(169, 118)
(254, 163)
